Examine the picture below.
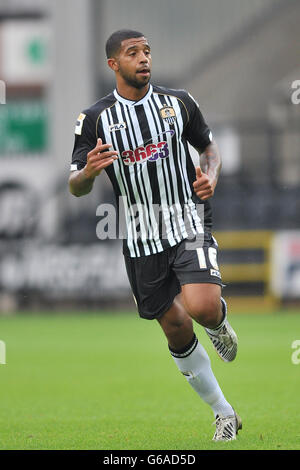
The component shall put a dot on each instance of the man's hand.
(98, 158)
(81, 181)
(203, 186)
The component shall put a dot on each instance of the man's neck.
(132, 94)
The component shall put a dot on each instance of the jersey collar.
(134, 103)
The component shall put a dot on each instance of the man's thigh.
(198, 266)
(198, 273)
(153, 283)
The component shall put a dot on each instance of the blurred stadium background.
(239, 59)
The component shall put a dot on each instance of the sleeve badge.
(79, 123)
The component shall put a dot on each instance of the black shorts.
(156, 279)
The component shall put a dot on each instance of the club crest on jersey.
(168, 114)
(117, 127)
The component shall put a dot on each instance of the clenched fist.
(203, 186)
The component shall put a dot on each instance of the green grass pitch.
(107, 381)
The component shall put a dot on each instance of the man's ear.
(113, 64)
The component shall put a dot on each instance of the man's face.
(134, 62)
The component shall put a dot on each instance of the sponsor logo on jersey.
(168, 114)
(79, 123)
(117, 127)
(151, 151)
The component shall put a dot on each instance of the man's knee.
(176, 319)
(175, 322)
(206, 311)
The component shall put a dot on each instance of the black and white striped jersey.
(154, 174)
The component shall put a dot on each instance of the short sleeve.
(85, 140)
(196, 132)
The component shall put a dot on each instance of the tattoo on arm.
(210, 162)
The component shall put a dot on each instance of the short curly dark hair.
(113, 44)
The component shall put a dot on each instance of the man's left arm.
(207, 173)
(198, 134)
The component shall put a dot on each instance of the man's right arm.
(81, 181)
(79, 184)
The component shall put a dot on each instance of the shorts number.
(212, 256)
(201, 258)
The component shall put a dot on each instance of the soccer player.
(139, 135)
